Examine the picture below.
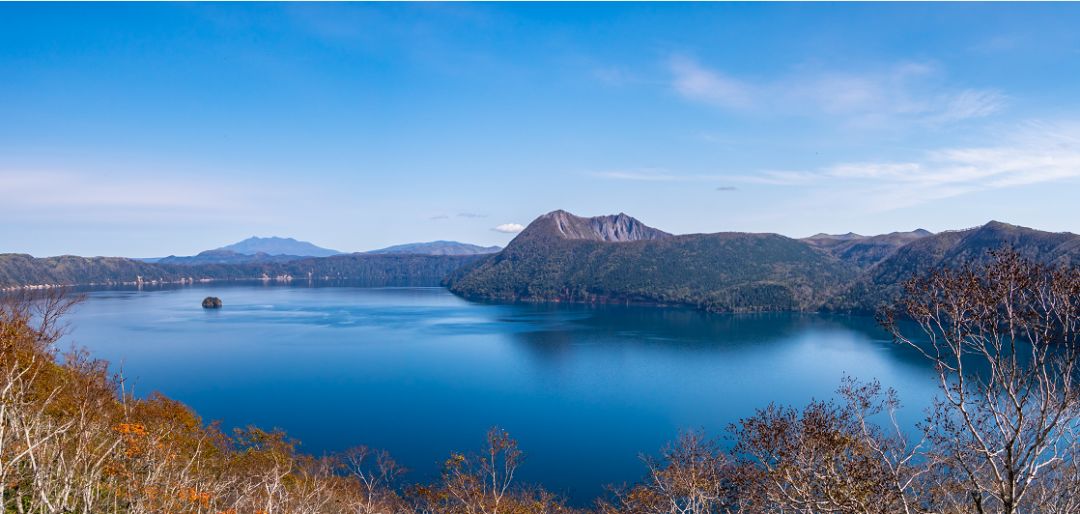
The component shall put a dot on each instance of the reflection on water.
(420, 372)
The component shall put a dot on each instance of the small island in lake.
(211, 302)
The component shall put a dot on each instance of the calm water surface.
(421, 372)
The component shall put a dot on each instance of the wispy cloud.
(509, 228)
(93, 196)
(698, 83)
(914, 91)
(467, 215)
(613, 76)
(1035, 153)
(654, 175)
(969, 104)
(779, 177)
(727, 188)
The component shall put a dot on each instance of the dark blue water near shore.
(420, 372)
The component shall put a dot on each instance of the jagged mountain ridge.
(617, 228)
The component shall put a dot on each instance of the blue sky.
(147, 130)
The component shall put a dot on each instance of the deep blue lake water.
(421, 373)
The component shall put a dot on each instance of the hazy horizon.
(145, 130)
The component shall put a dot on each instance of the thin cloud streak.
(1038, 153)
(695, 82)
(84, 197)
(654, 175)
(908, 91)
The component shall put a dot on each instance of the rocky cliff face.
(615, 228)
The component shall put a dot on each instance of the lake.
(421, 372)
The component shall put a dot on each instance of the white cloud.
(914, 91)
(1035, 153)
(509, 228)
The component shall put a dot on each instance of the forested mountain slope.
(562, 257)
(881, 283)
(864, 251)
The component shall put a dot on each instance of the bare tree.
(374, 475)
(483, 483)
(692, 476)
(823, 458)
(1003, 339)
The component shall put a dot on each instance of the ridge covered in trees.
(377, 270)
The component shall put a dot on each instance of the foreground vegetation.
(1000, 438)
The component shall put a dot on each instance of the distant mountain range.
(277, 246)
(561, 257)
(251, 250)
(437, 248)
(287, 249)
(226, 257)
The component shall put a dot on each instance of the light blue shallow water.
(420, 372)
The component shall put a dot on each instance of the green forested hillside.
(376, 270)
(718, 272)
(21, 270)
(882, 282)
(864, 251)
